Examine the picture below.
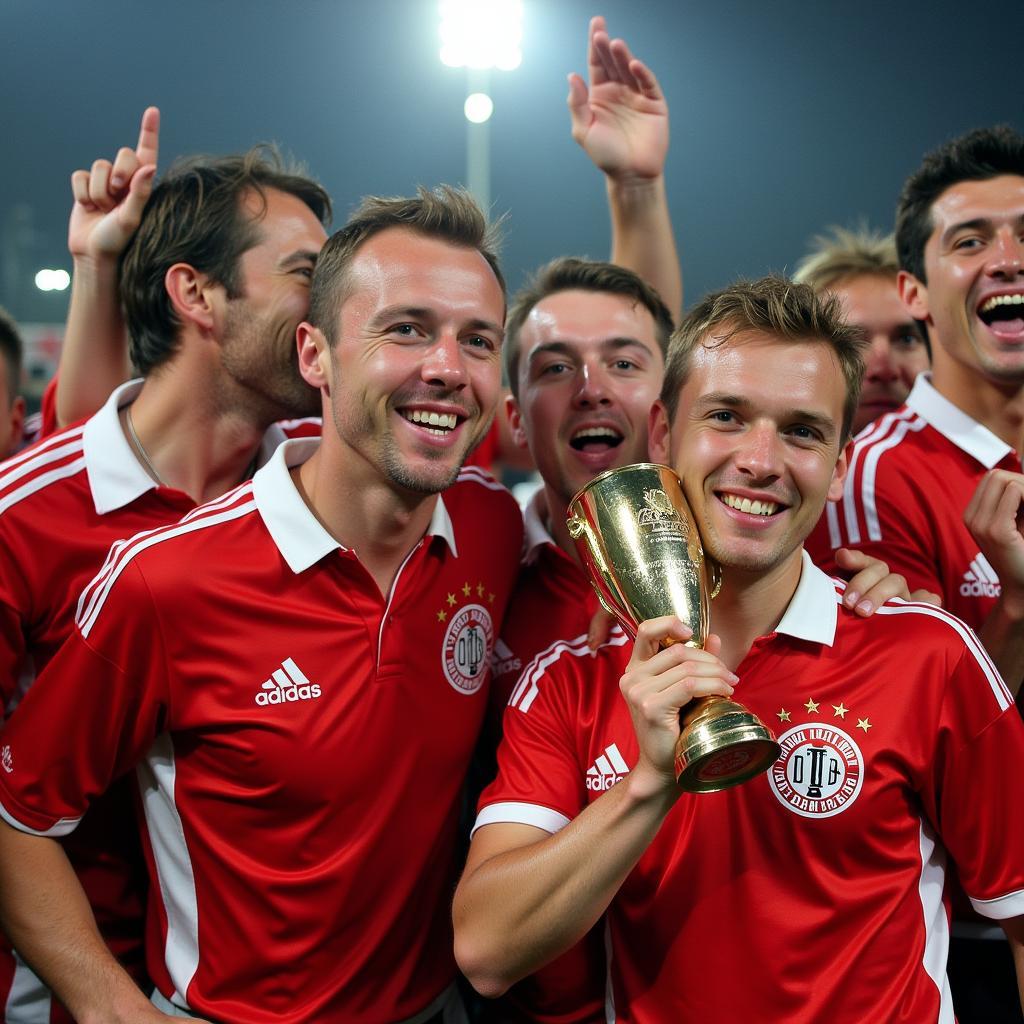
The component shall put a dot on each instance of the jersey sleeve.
(884, 514)
(976, 788)
(539, 781)
(89, 717)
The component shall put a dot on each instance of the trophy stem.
(721, 744)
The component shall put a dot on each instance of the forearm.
(518, 909)
(49, 921)
(1014, 928)
(94, 356)
(642, 236)
(1003, 636)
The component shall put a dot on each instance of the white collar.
(116, 477)
(812, 612)
(954, 424)
(298, 534)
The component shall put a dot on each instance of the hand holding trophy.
(638, 539)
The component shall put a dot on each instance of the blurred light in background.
(481, 33)
(52, 280)
(478, 107)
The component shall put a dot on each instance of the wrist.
(100, 268)
(647, 786)
(627, 187)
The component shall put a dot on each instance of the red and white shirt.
(912, 474)
(551, 607)
(814, 892)
(62, 504)
(299, 740)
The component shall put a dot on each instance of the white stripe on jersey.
(31, 454)
(871, 433)
(156, 777)
(61, 828)
(936, 927)
(526, 689)
(835, 538)
(37, 483)
(474, 474)
(1003, 696)
(99, 588)
(28, 1000)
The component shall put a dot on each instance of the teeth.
(1002, 300)
(443, 421)
(595, 432)
(757, 508)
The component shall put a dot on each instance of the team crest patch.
(820, 771)
(467, 648)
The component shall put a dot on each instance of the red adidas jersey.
(300, 743)
(912, 474)
(552, 604)
(814, 892)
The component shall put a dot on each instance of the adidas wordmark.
(608, 769)
(980, 580)
(287, 684)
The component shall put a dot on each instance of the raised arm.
(527, 896)
(108, 203)
(621, 121)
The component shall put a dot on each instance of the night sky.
(786, 116)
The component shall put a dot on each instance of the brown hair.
(11, 351)
(446, 213)
(775, 306)
(569, 273)
(842, 253)
(196, 216)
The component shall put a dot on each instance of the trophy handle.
(715, 571)
(579, 527)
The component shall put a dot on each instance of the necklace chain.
(141, 450)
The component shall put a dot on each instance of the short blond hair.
(841, 253)
(770, 305)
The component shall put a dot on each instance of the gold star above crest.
(466, 590)
(451, 600)
(784, 715)
(863, 723)
(442, 615)
(480, 589)
(812, 707)
(840, 709)
(490, 599)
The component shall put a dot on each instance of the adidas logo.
(608, 769)
(980, 580)
(287, 684)
(504, 659)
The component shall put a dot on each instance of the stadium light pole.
(480, 35)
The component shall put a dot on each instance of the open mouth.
(595, 439)
(1004, 315)
(752, 507)
(441, 424)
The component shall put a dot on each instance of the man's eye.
(479, 341)
(625, 364)
(909, 339)
(554, 369)
(803, 433)
(405, 330)
(723, 416)
(306, 272)
(968, 243)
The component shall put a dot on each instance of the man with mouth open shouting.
(935, 488)
(814, 892)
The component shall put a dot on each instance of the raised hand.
(621, 120)
(109, 198)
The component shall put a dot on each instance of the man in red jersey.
(225, 242)
(860, 268)
(935, 488)
(297, 673)
(815, 891)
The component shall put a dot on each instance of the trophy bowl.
(638, 539)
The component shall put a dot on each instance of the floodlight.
(52, 280)
(478, 107)
(481, 33)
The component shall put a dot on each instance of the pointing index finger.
(149, 137)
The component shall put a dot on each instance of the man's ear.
(515, 422)
(17, 415)
(659, 434)
(314, 355)
(835, 487)
(192, 296)
(913, 295)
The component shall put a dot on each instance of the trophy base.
(722, 744)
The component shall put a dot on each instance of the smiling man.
(813, 892)
(296, 672)
(936, 488)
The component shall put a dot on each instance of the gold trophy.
(637, 537)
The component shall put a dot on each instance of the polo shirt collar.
(954, 424)
(813, 611)
(116, 477)
(535, 532)
(298, 534)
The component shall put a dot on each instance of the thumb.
(579, 107)
(140, 188)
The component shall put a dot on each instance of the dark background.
(786, 115)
